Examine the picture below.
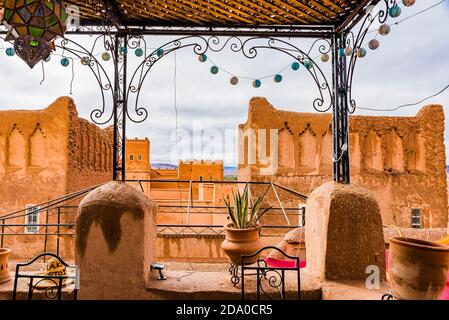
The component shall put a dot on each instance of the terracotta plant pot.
(417, 268)
(4, 268)
(240, 242)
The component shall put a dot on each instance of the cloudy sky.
(411, 63)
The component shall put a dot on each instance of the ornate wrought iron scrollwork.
(356, 41)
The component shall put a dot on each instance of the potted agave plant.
(243, 233)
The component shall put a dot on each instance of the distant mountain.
(163, 166)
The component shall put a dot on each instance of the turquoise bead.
(124, 51)
(65, 62)
(395, 11)
(139, 52)
(202, 58)
(341, 52)
(214, 70)
(10, 52)
(277, 78)
(295, 66)
(308, 64)
(160, 52)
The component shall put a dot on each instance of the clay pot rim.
(418, 243)
(5, 250)
(230, 228)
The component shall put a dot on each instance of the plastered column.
(115, 242)
(344, 233)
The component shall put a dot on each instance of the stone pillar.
(344, 233)
(115, 243)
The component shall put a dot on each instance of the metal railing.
(60, 216)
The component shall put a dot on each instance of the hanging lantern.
(65, 62)
(85, 61)
(349, 51)
(361, 53)
(139, 52)
(234, 81)
(374, 44)
(257, 83)
(325, 57)
(106, 56)
(34, 25)
(277, 78)
(384, 29)
(160, 52)
(295, 66)
(202, 58)
(308, 64)
(214, 70)
(10, 52)
(408, 3)
(395, 11)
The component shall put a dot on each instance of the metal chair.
(275, 277)
(34, 280)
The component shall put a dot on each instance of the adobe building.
(138, 165)
(45, 154)
(401, 160)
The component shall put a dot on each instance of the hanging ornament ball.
(384, 29)
(277, 78)
(65, 62)
(138, 52)
(308, 64)
(85, 61)
(325, 57)
(295, 66)
(408, 3)
(361, 53)
(124, 51)
(202, 58)
(395, 11)
(106, 56)
(47, 59)
(10, 52)
(160, 52)
(257, 83)
(234, 81)
(374, 44)
(214, 70)
(349, 51)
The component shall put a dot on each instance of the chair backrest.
(49, 285)
(273, 277)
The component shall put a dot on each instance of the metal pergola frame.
(117, 36)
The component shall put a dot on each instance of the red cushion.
(275, 263)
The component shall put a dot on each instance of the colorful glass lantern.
(34, 25)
